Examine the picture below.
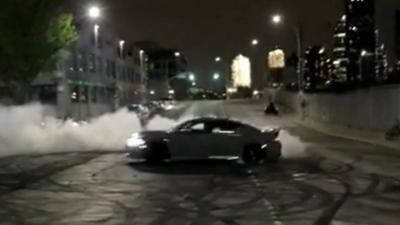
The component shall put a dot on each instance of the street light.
(216, 76)
(364, 53)
(192, 77)
(277, 19)
(217, 59)
(94, 12)
(121, 47)
(177, 54)
(194, 84)
(254, 42)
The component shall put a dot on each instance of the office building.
(317, 68)
(164, 66)
(340, 51)
(397, 35)
(355, 41)
(97, 76)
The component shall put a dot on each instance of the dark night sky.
(203, 29)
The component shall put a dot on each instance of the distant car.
(207, 138)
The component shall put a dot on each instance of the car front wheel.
(157, 152)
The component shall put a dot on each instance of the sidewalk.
(370, 137)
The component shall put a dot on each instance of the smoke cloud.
(28, 129)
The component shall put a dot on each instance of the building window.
(46, 94)
(81, 61)
(102, 95)
(127, 75)
(138, 78)
(108, 68)
(94, 94)
(84, 94)
(75, 93)
(92, 63)
(99, 65)
(113, 69)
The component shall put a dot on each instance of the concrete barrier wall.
(374, 108)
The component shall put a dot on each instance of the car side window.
(246, 130)
(198, 127)
(192, 127)
(224, 128)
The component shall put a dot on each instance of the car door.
(227, 142)
(190, 143)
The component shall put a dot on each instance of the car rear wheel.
(273, 151)
(253, 154)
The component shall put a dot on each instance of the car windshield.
(155, 112)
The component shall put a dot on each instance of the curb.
(394, 146)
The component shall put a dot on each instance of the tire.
(253, 154)
(158, 152)
(273, 151)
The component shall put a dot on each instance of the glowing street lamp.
(276, 19)
(177, 54)
(364, 53)
(217, 59)
(194, 84)
(94, 12)
(216, 76)
(254, 42)
(121, 47)
(192, 77)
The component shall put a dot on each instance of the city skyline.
(204, 31)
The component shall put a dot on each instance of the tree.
(32, 34)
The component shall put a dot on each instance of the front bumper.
(136, 152)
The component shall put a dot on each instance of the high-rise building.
(164, 66)
(360, 36)
(397, 35)
(316, 68)
(381, 60)
(355, 38)
(340, 52)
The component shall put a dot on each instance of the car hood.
(153, 135)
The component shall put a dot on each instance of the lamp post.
(298, 31)
(94, 13)
(254, 59)
(121, 48)
(225, 70)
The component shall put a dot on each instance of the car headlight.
(135, 142)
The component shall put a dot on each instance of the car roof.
(217, 120)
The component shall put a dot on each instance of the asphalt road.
(306, 187)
